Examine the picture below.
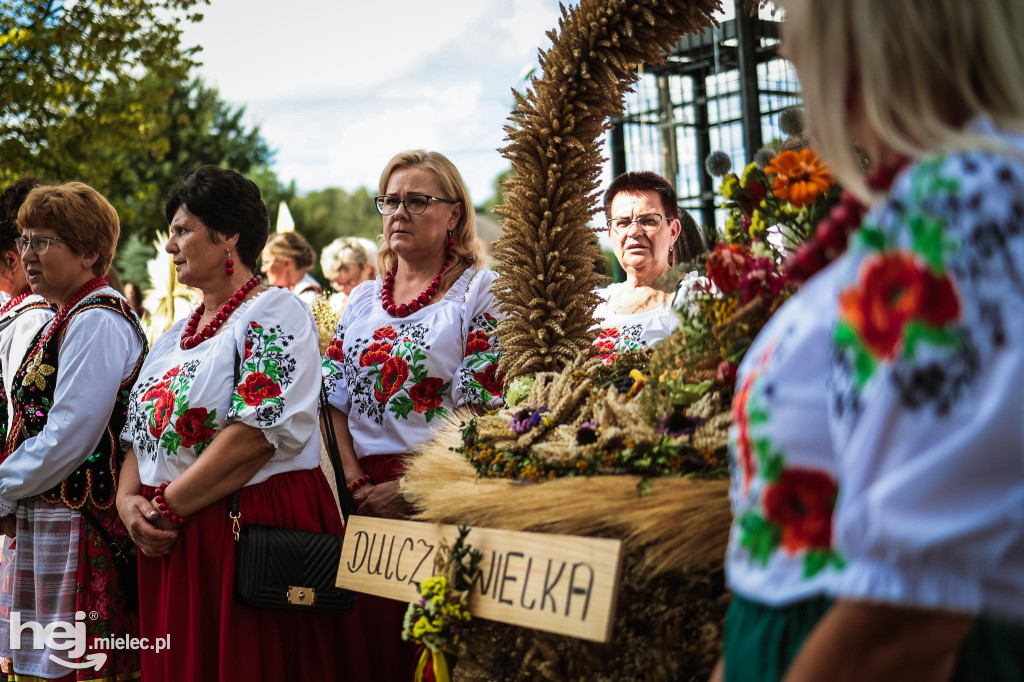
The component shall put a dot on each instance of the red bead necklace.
(190, 338)
(387, 301)
(65, 310)
(13, 303)
(833, 233)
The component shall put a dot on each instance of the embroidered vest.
(95, 480)
(9, 318)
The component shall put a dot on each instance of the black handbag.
(295, 570)
(126, 560)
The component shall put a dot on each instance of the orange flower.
(799, 177)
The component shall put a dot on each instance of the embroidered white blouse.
(783, 486)
(397, 378)
(622, 333)
(262, 369)
(18, 329)
(927, 374)
(99, 351)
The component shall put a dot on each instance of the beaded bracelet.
(362, 480)
(161, 504)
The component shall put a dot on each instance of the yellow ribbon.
(441, 673)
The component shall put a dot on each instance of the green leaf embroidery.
(759, 537)
(815, 560)
(435, 413)
(864, 363)
(872, 237)
(401, 406)
(929, 240)
(171, 441)
(916, 333)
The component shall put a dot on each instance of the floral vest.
(95, 480)
(38, 305)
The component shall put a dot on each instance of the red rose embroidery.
(172, 372)
(163, 408)
(336, 350)
(393, 374)
(890, 291)
(424, 394)
(609, 333)
(192, 428)
(387, 332)
(603, 346)
(801, 502)
(375, 354)
(489, 379)
(248, 348)
(940, 304)
(155, 392)
(477, 343)
(258, 387)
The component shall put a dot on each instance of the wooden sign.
(558, 583)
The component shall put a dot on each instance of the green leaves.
(817, 560)
(759, 537)
(401, 406)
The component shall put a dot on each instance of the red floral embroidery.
(603, 345)
(393, 374)
(255, 327)
(801, 502)
(609, 333)
(387, 332)
(477, 343)
(744, 447)
(158, 389)
(424, 394)
(258, 387)
(489, 317)
(489, 379)
(892, 290)
(172, 372)
(248, 348)
(192, 428)
(336, 350)
(375, 354)
(163, 408)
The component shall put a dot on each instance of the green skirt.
(762, 641)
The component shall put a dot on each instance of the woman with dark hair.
(287, 260)
(643, 225)
(411, 347)
(226, 404)
(59, 470)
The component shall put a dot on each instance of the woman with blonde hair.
(412, 346)
(287, 260)
(920, 366)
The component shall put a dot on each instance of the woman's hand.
(144, 523)
(360, 494)
(9, 525)
(384, 500)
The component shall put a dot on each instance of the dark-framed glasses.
(649, 223)
(414, 203)
(39, 245)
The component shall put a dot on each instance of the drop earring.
(229, 265)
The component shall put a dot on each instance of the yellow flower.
(728, 188)
(757, 225)
(751, 167)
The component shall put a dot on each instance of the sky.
(339, 86)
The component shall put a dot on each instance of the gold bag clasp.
(304, 596)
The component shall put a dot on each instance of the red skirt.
(188, 595)
(394, 660)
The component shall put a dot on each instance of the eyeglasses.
(414, 204)
(649, 223)
(39, 245)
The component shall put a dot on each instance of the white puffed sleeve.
(277, 383)
(927, 376)
(477, 380)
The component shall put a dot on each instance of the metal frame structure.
(725, 85)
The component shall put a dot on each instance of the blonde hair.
(924, 68)
(292, 245)
(453, 186)
(345, 253)
(79, 215)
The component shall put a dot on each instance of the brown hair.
(292, 245)
(79, 215)
(452, 184)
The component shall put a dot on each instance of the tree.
(68, 81)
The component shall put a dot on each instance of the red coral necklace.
(13, 303)
(58, 319)
(190, 338)
(833, 233)
(387, 301)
